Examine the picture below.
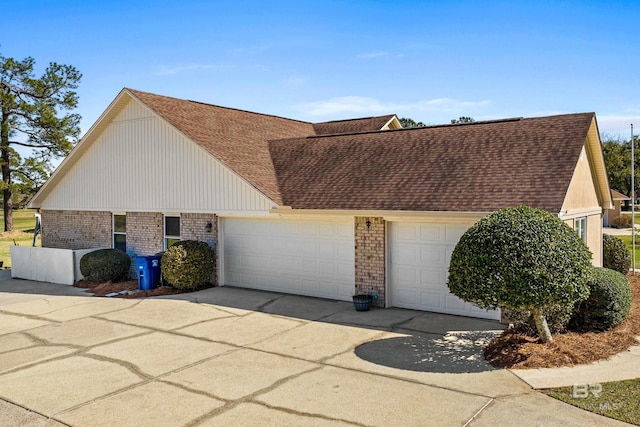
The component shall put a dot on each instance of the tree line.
(617, 158)
(35, 113)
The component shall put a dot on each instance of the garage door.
(419, 263)
(314, 258)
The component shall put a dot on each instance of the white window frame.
(580, 225)
(164, 229)
(120, 233)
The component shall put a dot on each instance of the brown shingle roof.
(235, 137)
(366, 124)
(481, 166)
(616, 195)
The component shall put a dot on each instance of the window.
(171, 230)
(120, 232)
(580, 225)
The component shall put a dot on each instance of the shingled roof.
(235, 137)
(367, 124)
(475, 167)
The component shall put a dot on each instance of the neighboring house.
(610, 215)
(325, 209)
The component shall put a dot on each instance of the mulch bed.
(516, 349)
(103, 289)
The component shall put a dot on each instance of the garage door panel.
(307, 229)
(419, 268)
(406, 275)
(309, 250)
(345, 231)
(309, 267)
(326, 250)
(328, 230)
(453, 303)
(405, 254)
(431, 233)
(432, 255)
(432, 279)
(406, 232)
(453, 233)
(257, 246)
(406, 297)
(346, 270)
(292, 248)
(327, 269)
(429, 300)
(303, 257)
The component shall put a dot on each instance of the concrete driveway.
(228, 356)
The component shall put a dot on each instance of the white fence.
(60, 266)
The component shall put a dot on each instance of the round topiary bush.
(105, 265)
(188, 264)
(521, 258)
(608, 304)
(616, 256)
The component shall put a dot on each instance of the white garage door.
(314, 258)
(419, 264)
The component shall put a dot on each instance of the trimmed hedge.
(608, 304)
(188, 264)
(105, 265)
(616, 256)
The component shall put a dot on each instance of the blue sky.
(323, 60)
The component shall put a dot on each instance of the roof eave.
(598, 166)
(392, 123)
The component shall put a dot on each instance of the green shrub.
(188, 264)
(521, 258)
(623, 221)
(608, 304)
(616, 256)
(105, 265)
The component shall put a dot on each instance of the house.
(324, 209)
(610, 215)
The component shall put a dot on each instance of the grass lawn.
(23, 223)
(619, 400)
(627, 241)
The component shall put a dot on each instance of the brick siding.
(194, 227)
(370, 257)
(145, 235)
(76, 229)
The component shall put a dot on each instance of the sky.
(431, 61)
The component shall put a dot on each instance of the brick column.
(370, 257)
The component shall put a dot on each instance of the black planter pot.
(362, 302)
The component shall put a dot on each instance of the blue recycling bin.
(148, 268)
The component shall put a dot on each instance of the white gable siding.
(140, 163)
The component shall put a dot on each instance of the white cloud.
(381, 54)
(363, 105)
(295, 82)
(165, 70)
(614, 125)
(372, 55)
